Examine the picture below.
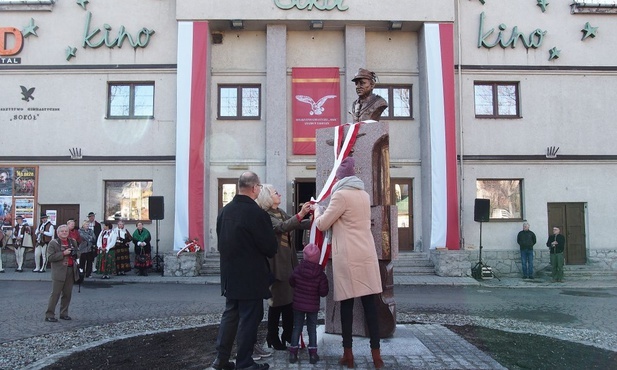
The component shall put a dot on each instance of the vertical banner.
(445, 226)
(191, 132)
(315, 104)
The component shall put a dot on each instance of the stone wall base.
(508, 262)
(187, 264)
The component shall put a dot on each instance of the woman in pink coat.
(354, 259)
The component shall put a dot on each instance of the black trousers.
(240, 321)
(86, 260)
(370, 315)
(274, 314)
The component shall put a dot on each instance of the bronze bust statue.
(368, 106)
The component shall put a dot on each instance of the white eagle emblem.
(316, 108)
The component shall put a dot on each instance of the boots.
(347, 359)
(287, 317)
(272, 338)
(293, 355)
(377, 361)
(275, 341)
(313, 356)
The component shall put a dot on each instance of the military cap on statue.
(364, 73)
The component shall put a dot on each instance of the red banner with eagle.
(315, 104)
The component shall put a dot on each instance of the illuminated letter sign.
(4, 35)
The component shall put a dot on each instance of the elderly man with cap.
(44, 233)
(368, 106)
(22, 239)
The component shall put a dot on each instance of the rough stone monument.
(372, 158)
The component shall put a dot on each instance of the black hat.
(19, 217)
(44, 215)
(91, 214)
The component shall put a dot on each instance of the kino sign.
(310, 4)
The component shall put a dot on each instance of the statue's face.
(364, 87)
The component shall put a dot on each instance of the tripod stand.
(158, 260)
(481, 270)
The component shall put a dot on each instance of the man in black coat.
(245, 240)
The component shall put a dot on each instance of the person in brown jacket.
(355, 269)
(62, 254)
(281, 265)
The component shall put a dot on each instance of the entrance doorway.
(570, 219)
(64, 212)
(402, 197)
(303, 190)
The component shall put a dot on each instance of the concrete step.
(586, 271)
(406, 264)
(581, 271)
(416, 270)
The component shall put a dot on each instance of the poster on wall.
(24, 207)
(24, 181)
(315, 104)
(6, 181)
(53, 215)
(6, 207)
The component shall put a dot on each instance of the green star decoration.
(542, 4)
(553, 53)
(82, 3)
(589, 31)
(30, 29)
(70, 52)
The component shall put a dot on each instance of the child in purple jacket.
(310, 283)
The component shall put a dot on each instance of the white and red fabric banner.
(315, 104)
(445, 229)
(342, 148)
(191, 132)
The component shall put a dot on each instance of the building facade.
(488, 99)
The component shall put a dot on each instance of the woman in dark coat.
(282, 264)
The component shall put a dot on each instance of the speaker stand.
(158, 260)
(477, 270)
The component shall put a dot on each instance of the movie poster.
(6, 206)
(6, 181)
(24, 181)
(25, 207)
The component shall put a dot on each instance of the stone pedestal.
(186, 264)
(372, 166)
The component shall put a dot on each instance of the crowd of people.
(259, 261)
(101, 249)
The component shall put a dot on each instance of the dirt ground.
(178, 350)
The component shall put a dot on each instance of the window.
(239, 102)
(399, 101)
(496, 99)
(227, 191)
(505, 197)
(127, 200)
(131, 100)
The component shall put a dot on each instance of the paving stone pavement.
(412, 347)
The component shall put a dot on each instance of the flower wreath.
(190, 245)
